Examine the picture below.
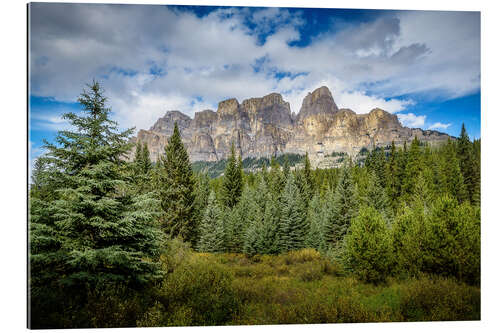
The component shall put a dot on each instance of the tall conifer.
(177, 190)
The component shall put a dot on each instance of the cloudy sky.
(422, 65)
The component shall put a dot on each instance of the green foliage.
(452, 180)
(292, 224)
(233, 181)
(368, 247)
(438, 299)
(198, 292)
(316, 220)
(451, 246)
(177, 190)
(342, 208)
(211, 228)
(95, 234)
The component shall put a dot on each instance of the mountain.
(265, 126)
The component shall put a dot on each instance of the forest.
(118, 243)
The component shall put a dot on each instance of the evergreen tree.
(233, 181)
(177, 190)
(138, 154)
(452, 179)
(95, 234)
(342, 208)
(293, 227)
(255, 218)
(211, 229)
(286, 167)
(202, 192)
(276, 179)
(393, 187)
(407, 236)
(414, 166)
(146, 159)
(315, 237)
(376, 196)
(268, 231)
(468, 165)
(451, 245)
(368, 247)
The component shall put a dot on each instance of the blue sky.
(423, 66)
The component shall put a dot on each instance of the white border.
(14, 143)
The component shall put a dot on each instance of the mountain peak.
(320, 101)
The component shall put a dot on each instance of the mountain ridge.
(265, 126)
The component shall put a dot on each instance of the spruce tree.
(393, 187)
(95, 234)
(202, 192)
(268, 232)
(451, 176)
(211, 230)
(468, 165)
(368, 247)
(232, 184)
(414, 166)
(293, 224)
(146, 159)
(255, 218)
(342, 208)
(286, 167)
(315, 237)
(376, 196)
(177, 190)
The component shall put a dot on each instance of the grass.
(299, 287)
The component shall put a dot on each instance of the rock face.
(265, 127)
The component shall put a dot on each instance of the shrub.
(199, 292)
(310, 271)
(438, 298)
(368, 247)
(300, 256)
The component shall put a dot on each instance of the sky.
(423, 66)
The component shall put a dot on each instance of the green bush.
(368, 247)
(300, 256)
(451, 245)
(199, 292)
(438, 298)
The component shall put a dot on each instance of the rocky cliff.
(265, 126)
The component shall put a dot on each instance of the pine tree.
(414, 167)
(146, 159)
(177, 190)
(211, 229)
(393, 187)
(376, 196)
(293, 227)
(255, 219)
(468, 166)
(232, 184)
(452, 180)
(268, 231)
(276, 179)
(95, 234)
(315, 237)
(286, 167)
(342, 208)
(202, 192)
(368, 247)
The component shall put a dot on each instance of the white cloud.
(412, 120)
(206, 59)
(439, 125)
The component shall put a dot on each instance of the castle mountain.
(265, 126)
